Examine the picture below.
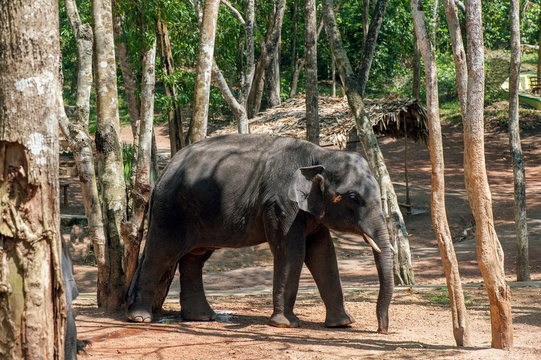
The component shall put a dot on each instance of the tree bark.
(32, 297)
(370, 44)
(461, 329)
(109, 149)
(203, 71)
(521, 228)
(141, 188)
(539, 51)
(416, 81)
(267, 52)
(80, 143)
(174, 115)
(310, 55)
(295, 80)
(489, 252)
(403, 271)
(272, 80)
(366, 21)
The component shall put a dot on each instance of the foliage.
(441, 296)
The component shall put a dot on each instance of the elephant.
(236, 191)
(71, 291)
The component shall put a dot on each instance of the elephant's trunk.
(384, 265)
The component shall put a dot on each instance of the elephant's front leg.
(321, 261)
(288, 251)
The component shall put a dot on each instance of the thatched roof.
(336, 120)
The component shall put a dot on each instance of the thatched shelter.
(391, 117)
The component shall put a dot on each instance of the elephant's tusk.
(371, 242)
(392, 249)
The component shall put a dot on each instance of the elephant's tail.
(130, 294)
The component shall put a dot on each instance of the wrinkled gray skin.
(70, 342)
(242, 190)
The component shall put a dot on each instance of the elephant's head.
(345, 196)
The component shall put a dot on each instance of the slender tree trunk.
(80, 143)
(489, 252)
(403, 271)
(416, 82)
(434, 23)
(293, 52)
(295, 80)
(539, 51)
(370, 45)
(461, 67)
(461, 330)
(203, 71)
(254, 98)
(141, 188)
(310, 55)
(366, 21)
(272, 80)
(32, 297)
(128, 74)
(174, 115)
(333, 76)
(109, 149)
(521, 228)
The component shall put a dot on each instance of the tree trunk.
(272, 80)
(141, 188)
(109, 149)
(370, 45)
(203, 71)
(295, 79)
(32, 298)
(174, 115)
(416, 81)
(521, 229)
(310, 55)
(254, 98)
(489, 252)
(461, 330)
(461, 67)
(333, 76)
(403, 271)
(539, 51)
(366, 21)
(293, 52)
(128, 73)
(80, 143)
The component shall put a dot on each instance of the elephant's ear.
(307, 189)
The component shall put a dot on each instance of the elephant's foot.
(140, 313)
(340, 320)
(281, 320)
(197, 313)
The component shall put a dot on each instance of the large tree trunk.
(370, 44)
(174, 117)
(489, 252)
(272, 80)
(141, 187)
(521, 229)
(109, 150)
(310, 55)
(203, 71)
(403, 271)
(461, 330)
(80, 143)
(32, 298)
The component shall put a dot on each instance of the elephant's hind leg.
(193, 302)
(321, 261)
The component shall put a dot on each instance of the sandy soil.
(239, 283)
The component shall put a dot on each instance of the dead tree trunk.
(521, 228)
(403, 271)
(310, 55)
(203, 71)
(109, 149)
(32, 298)
(80, 142)
(489, 252)
(439, 217)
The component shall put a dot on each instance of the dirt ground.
(239, 282)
